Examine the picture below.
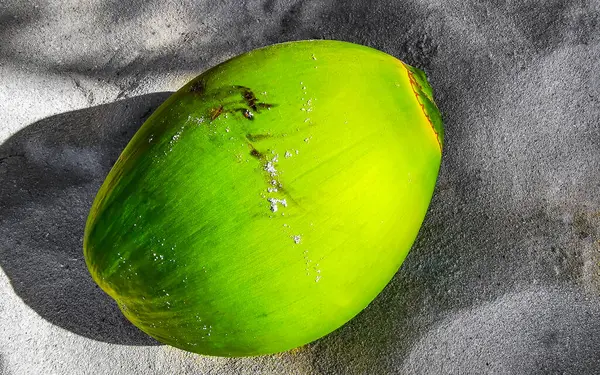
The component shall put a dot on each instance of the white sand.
(504, 277)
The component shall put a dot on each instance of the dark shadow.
(51, 172)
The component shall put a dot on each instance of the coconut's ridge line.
(414, 84)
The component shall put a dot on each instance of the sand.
(504, 277)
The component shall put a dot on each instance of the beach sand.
(504, 277)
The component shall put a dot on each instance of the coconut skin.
(269, 200)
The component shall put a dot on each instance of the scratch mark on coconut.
(251, 105)
(225, 96)
(255, 153)
(216, 112)
(251, 99)
(258, 137)
(269, 168)
(198, 87)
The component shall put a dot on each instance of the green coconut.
(269, 200)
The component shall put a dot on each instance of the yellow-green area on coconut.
(269, 200)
